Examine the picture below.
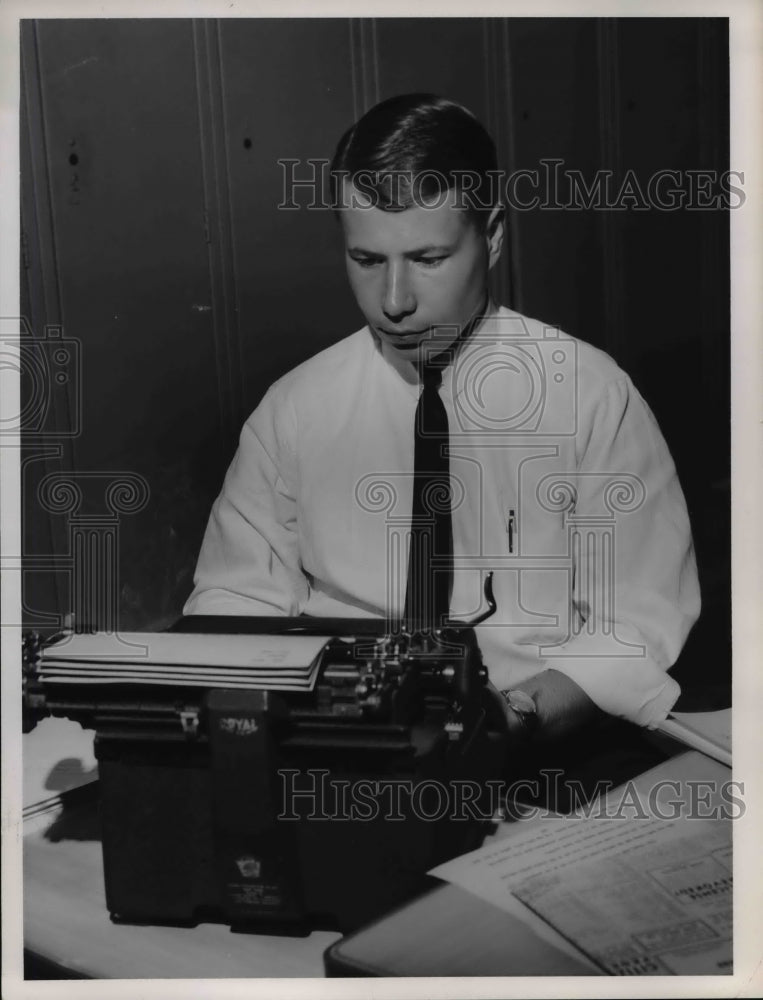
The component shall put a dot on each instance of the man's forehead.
(436, 223)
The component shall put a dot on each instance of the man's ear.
(494, 231)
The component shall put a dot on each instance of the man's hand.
(562, 705)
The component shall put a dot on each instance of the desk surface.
(66, 922)
(65, 917)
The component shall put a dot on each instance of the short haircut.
(413, 149)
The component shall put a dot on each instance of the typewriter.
(282, 809)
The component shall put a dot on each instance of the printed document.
(639, 894)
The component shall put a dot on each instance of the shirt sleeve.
(635, 598)
(249, 560)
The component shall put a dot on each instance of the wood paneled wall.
(153, 239)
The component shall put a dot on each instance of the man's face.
(417, 271)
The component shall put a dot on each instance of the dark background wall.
(151, 238)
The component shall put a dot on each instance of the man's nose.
(399, 298)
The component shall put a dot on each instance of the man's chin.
(421, 351)
(409, 345)
(412, 345)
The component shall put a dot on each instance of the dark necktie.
(430, 560)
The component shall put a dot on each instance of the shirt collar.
(408, 372)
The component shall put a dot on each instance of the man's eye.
(366, 261)
(430, 261)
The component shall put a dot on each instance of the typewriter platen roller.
(317, 805)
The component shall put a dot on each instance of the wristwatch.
(524, 707)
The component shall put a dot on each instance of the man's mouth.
(403, 334)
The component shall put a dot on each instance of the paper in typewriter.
(638, 894)
(280, 662)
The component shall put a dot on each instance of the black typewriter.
(285, 809)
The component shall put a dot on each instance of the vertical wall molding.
(218, 223)
(37, 210)
(610, 221)
(364, 64)
(43, 283)
(38, 215)
(499, 101)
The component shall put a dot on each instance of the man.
(560, 482)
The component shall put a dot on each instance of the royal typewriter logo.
(239, 727)
(249, 867)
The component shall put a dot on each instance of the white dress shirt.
(562, 486)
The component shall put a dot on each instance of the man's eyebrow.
(418, 252)
(433, 248)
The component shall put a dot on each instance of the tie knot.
(431, 376)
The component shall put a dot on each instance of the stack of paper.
(273, 662)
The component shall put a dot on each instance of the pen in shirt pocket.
(511, 528)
